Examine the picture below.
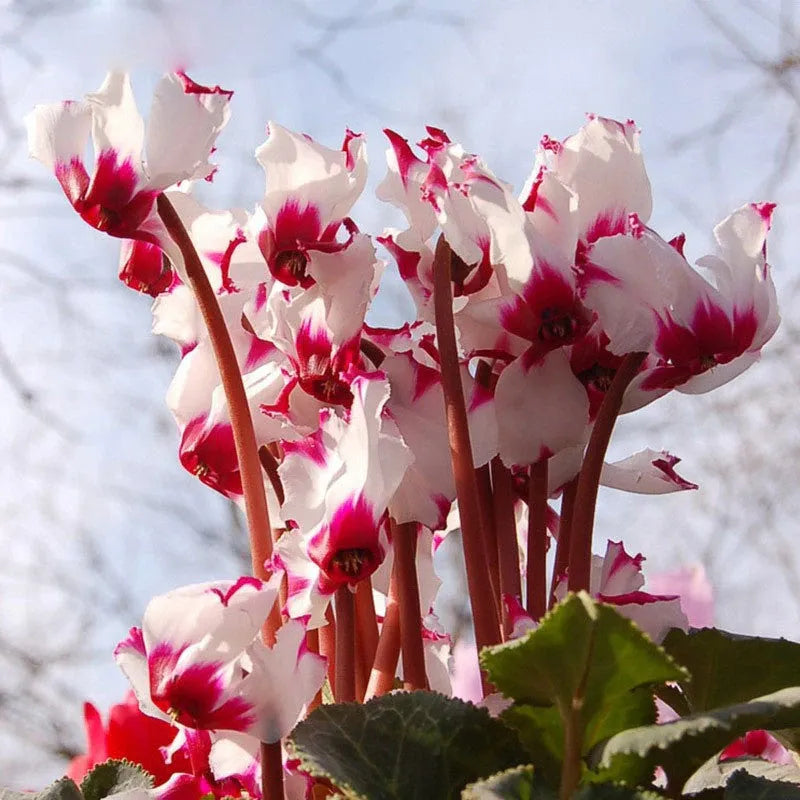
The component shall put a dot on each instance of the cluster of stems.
(363, 659)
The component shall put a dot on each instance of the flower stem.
(571, 766)
(483, 376)
(564, 534)
(271, 771)
(327, 644)
(507, 547)
(404, 543)
(381, 679)
(487, 629)
(536, 572)
(344, 689)
(270, 465)
(484, 481)
(255, 499)
(366, 634)
(580, 552)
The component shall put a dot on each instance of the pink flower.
(757, 744)
(691, 584)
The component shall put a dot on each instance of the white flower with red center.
(310, 191)
(319, 328)
(338, 483)
(197, 660)
(132, 166)
(617, 579)
(702, 332)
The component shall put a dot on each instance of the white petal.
(417, 406)
(184, 123)
(284, 679)
(116, 122)
(645, 472)
(220, 618)
(541, 409)
(345, 279)
(58, 133)
(657, 617)
(603, 165)
(300, 170)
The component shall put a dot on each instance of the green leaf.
(714, 774)
(584, 654)
(114, 776)
(541, 732)
(681, 747)
(62, 789)
(519, 783)
(743, 786)
(727, 668)
(404, 746)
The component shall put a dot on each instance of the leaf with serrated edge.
(404, 746)
(727, 668)
(681, 747)
(62, 789)
(113, 777)
(714, 773)
(519, 783)
(583, 652)
(743, 786)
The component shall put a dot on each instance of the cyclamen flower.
(132, 166)
(197, 660)
(131, 735)
(703, 332)
(338, 483)
(617, 579)
(310, 190)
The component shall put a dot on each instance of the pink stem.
(366, 634)
(505, 524)
(344, 688)
(381, 679)
(487, 629)
(564, 535)
(580, 552)
(255, 499)
(271, 771)
(536, 574)
(404, 542)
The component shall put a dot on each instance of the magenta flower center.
(292, 261)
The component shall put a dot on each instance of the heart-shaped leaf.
(404, 746)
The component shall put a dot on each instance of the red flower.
(131, 735)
